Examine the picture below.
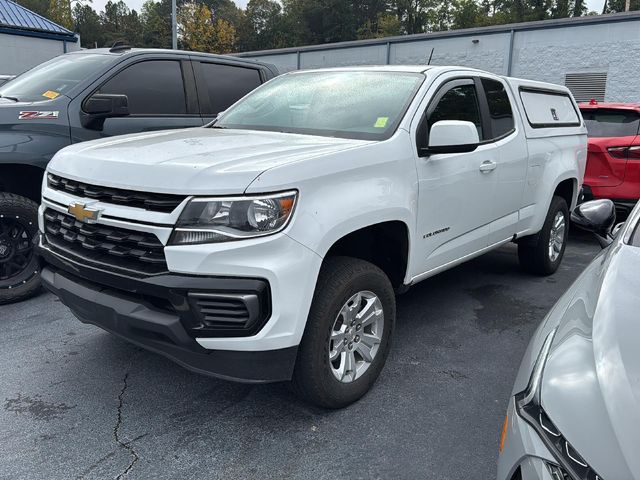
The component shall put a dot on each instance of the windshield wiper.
(9, 98)
(219, 126)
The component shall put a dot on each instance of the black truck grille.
(157, 202)
(111, 247)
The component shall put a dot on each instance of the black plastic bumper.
(133, 309)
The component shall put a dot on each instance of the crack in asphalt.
(116, 429)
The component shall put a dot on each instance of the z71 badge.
(38, 115)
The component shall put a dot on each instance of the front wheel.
(348, 333)
(542, 254)
(19, 276)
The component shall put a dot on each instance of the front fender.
(347, 191)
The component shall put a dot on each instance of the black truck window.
(460, 102)
(227, 84)
(154, 87)
(500, 111)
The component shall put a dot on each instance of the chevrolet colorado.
(269, 245)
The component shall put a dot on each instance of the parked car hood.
(190, 161)
(591, 383)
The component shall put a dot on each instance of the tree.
(60, 13)
(261, 26)
(41, 7)
(200, 31)
(465, 14)
(156, 24)
(615, 6)
(120, 24)
(87, 23)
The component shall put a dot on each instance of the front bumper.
(132, 315)
(524, 457)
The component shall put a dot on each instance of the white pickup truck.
(269, 245)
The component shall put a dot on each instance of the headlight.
(214, 220)
(571, 466)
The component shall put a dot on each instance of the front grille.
(157, 202)
(113, 247)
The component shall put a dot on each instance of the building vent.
(585, 86)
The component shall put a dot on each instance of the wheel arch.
(567, 189)
(385, 244)
(21, 179)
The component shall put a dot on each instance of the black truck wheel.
(541, 254)
(348, 333)
(19, 273)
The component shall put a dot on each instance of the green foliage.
(41, 7)
(219, 25)
(60, 12)
(156, 24)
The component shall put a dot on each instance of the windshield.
(611, 123)
(359, 105)
(53, 78)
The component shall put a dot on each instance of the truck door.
(511, 168)
(457, 190)
(160, 93)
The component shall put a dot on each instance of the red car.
(613, 161)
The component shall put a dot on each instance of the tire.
(534, 252)
(19, 269)
(341, 279)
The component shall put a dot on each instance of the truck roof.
(123, 51)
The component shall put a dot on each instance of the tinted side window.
(154, 87)
(500, 111)
(227, 84)
(458, 103)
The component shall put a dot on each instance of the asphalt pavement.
(76, 402)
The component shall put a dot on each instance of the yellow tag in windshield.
(51, 94)
(381, 122)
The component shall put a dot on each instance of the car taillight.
(624, 153)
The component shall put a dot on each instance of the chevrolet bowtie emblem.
(82, 213)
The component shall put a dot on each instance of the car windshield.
(346, 104)
(611, 123)
(53, 78)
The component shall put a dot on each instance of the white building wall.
(19, 53)
(544, 51)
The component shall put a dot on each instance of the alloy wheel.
(556, 236)
(356, 336)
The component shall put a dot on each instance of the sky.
(98, 5)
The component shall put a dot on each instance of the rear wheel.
(19, 275)
(542, 254)
(348, 333)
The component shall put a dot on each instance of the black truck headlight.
(223, 219)
(571, 465)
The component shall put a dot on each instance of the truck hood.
(191, 161)
(591, 383)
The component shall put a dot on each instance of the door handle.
(488, 166)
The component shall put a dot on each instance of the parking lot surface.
(80, 403)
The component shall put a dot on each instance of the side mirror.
(597, 216)
(100, 106)
(452, 136)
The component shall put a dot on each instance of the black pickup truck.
(91, 94)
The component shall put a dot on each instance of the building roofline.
(25, 22)
(492, 29)
(23, 32)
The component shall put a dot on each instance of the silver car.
(575, 410)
